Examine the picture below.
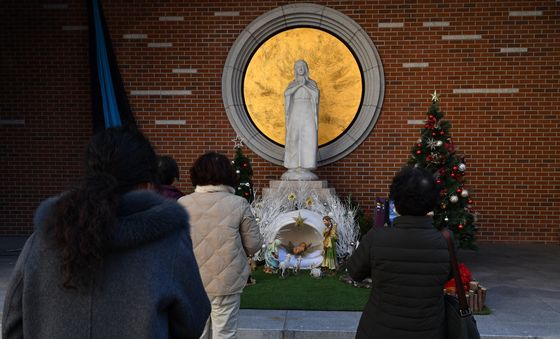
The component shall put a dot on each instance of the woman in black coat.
(408, 264)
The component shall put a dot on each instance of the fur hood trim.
(143, 216)
(214, 188)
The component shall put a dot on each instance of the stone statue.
(301, 106)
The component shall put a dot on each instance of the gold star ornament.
(237, 142)
(299, 221)
(435, 97)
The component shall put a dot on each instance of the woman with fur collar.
(108, 259)
(224, 233)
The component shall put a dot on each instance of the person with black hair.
(408, 264)
(108, 259)
(166, 173)
(224, 233)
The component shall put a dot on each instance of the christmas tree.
(435, 151)
(244, 170)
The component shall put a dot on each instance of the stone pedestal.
(320, 187)
(299, 174)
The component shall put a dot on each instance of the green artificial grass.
(485, 311)
(302, 292)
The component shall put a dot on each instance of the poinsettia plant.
(466, 277)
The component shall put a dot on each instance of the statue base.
(299, 174)
(320, 187)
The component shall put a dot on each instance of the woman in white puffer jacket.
(224, 232)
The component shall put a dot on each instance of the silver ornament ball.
(464, 193)
(462, 167)
(453, 199)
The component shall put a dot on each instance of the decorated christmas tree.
(436, 152)
(244, 170)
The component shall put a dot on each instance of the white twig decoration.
(302, 196)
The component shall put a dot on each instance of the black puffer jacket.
(409, 264)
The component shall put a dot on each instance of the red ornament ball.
(433, 134)
(245, 164)
(419, 152)
(459, 190)
(438, 181)
(453, 175)
(470, 201)
(419, 145)
(460, 226)
(442, 133)
(455, 168)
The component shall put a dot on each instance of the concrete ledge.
(135, 36)
(184, 70)
(525, 13)
(230, 13)
(171, 18)
(297, 324)
(160, 92)
(415, 64)
(390, 25)
(462, 37)
(171, 122)
(160, 44)
(282, 324)
(436, 24)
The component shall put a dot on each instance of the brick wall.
(496, 64)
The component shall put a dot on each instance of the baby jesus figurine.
(299, 249)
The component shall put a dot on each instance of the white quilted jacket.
(223, 232)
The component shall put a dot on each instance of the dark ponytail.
(83, 219)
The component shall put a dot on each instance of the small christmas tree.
(435, 151)
(244, 169)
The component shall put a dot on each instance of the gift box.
(475, 293)
(476, 296)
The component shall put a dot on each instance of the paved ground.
(523, 284)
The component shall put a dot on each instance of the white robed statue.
(301, 105)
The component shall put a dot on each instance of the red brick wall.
(510, 140)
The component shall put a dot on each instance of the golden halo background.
(331, 65)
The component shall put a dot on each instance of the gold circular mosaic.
(331, 64)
